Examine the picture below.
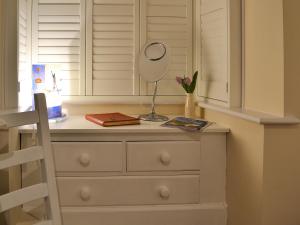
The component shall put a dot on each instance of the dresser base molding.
(197, 214)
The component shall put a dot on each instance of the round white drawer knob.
(84, 159)
(165, 158)
(85, 193)
(164, 192)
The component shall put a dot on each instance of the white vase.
(189, 109)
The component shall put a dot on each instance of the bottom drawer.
(128, 190)
(143, 215)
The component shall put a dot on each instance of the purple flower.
(179, 80)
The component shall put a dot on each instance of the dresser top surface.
(78, 124)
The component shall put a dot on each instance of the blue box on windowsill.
(44, 81)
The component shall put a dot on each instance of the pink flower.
(179, 80)
(187, 83)
(187, 80)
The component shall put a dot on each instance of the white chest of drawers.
(137, 175)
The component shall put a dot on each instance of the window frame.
(2, 21)
(235, 44)
(9, 55)
(165, 99)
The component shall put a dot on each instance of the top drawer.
(163, 156)
(88, 156)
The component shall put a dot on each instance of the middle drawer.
(95, 191)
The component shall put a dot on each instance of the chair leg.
(15, 177)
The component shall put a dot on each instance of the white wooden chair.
(43, 152)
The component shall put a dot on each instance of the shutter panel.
(59, 39)
(112, 46)
(214, 50)
(171, 22)
(24, 57)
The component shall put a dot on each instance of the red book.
(112, 119)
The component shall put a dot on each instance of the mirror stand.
(153, 116)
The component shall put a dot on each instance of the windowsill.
(130, 100)
(256, 117)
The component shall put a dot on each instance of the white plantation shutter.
(24, 59)
(58, 38)
(97, 43)
(112, 46)
(169, 21)
(213, 82)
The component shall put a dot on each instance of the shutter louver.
(214, 50)
(57, 40)
(169, 21)
(112, 47)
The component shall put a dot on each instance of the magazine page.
(187, 124)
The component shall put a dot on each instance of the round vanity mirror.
(153, 66)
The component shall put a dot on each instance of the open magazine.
(187, 124)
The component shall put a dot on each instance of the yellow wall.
(263, 175)
(282, 143)
(264, 57)
(263, 172)
(244, 169)
(291, 10)
(281, 197)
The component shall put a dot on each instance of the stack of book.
(112, 119)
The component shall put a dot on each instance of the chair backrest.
(42, 152)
